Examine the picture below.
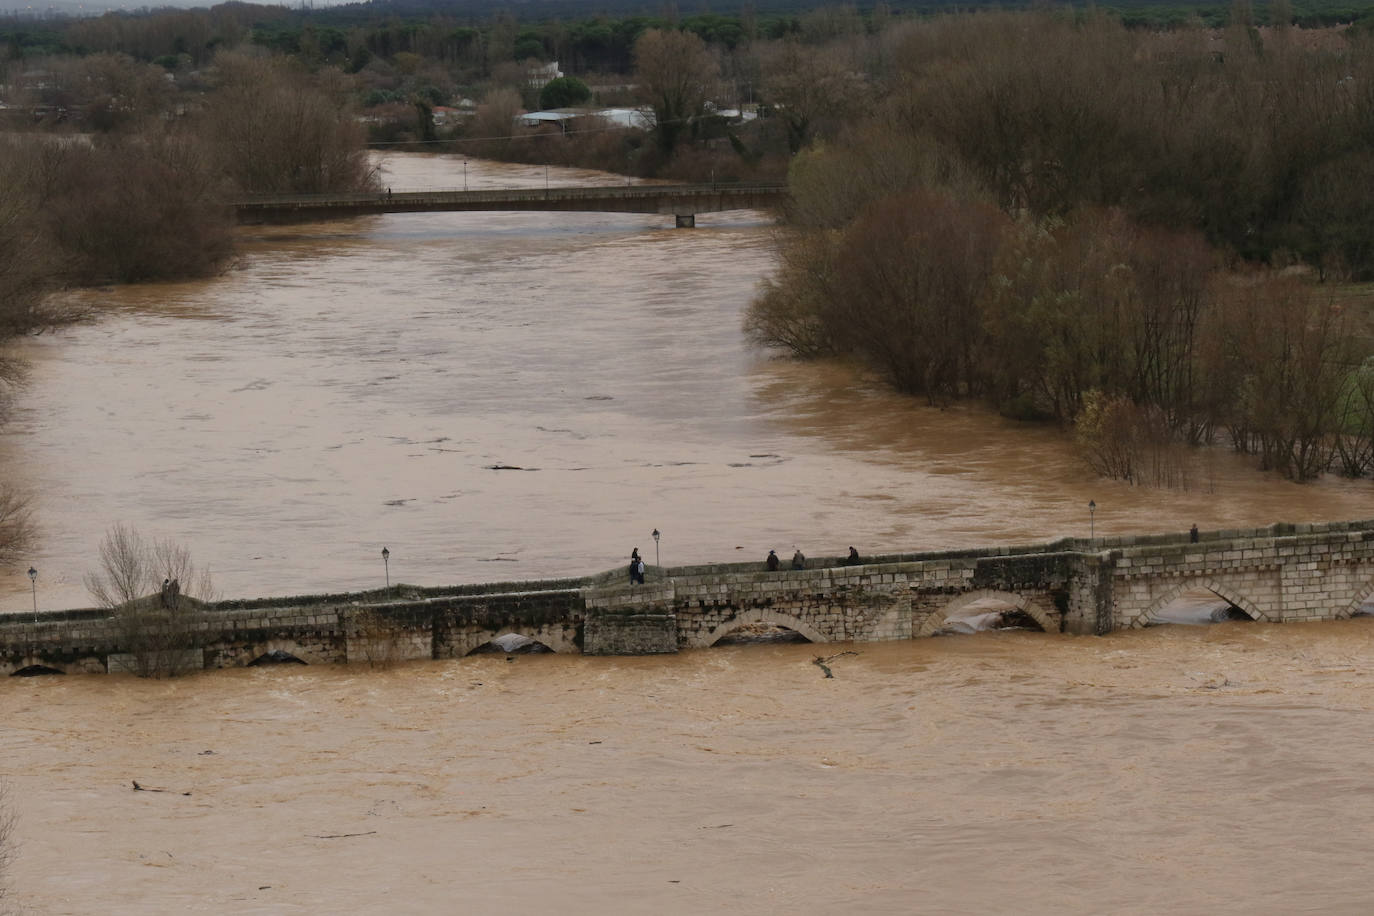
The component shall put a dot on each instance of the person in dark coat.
(636, 568)
(1192, 534)
(799, 560)
(772, 561)
(853, 558)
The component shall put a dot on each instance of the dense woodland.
(1144, 224)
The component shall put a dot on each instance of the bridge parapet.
(1279, 573)
(667, 199)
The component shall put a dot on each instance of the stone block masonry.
(1281, 573)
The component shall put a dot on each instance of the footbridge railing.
(682, 201)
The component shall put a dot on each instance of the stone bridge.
(1283, 573)
(682, 202)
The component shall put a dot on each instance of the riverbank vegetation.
(1135, 225)
(113, 173)
(1120, 230)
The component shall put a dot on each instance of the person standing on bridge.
(798, 559)
(772, 561)
(636, 568)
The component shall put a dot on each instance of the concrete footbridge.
(1280, 574)
(681, 201)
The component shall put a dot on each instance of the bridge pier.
(686, 220)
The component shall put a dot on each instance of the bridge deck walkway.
(682, 199)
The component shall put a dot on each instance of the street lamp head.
(33, 574)
(385, 553)
(656, 535)
(1091, 505)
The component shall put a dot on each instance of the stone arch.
(276, 657)
(1048, 620)
(554, 637)
(35, 669)
(493, 640)
(1223, 592)
(1361, 596)
(765, 616)
(254, 651)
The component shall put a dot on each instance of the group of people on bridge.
(772, 562)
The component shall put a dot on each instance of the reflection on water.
(510, 396)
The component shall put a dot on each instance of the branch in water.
(336, 836)
(820, 661)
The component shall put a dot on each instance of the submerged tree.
(282, 131)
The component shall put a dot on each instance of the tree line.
(145, 196)
(1114, 229)
(1032, 208)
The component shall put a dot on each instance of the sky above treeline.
(96, 7)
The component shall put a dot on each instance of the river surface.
(1188, 770)
(352, 385)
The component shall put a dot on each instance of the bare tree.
(494, 124)
(283, 131)
(916, 267)
(1286, 353)
(26, 270)
(163, 215)
(153, 588)
(810, 86)
(676, 72)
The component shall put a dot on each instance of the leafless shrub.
(279, 130)
(1354, 441)
(27, 270)
(136, 208)
(141, 581)
(492, 131)
(1125, 441)
(788, 312)
(1285, 351)
(676, 74)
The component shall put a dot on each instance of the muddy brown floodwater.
(353, 385)
(1192, 770)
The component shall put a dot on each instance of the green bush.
(564, 92)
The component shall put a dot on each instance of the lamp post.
(33, 586)
(386, 563)
(656, 537)
(1092, 507)
(465, 174)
